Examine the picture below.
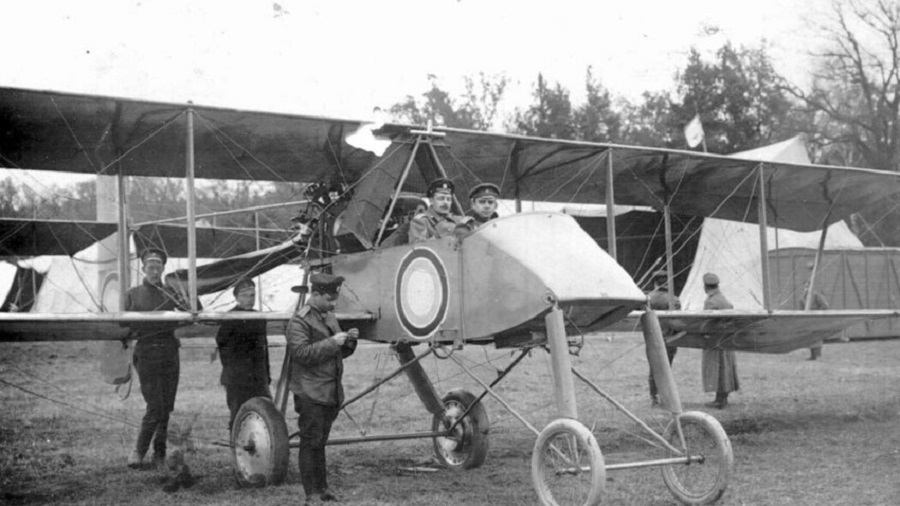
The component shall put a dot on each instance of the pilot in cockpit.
(438, 221)
(483, 203)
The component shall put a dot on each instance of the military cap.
(325, 283)
(441, 184)
(480, 190)
(710, 279)
(154, 254)
(663, 275)
(243, 283)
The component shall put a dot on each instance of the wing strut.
(610, 208)
(764, 238)
(191, 202)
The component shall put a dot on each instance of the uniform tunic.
(478, 220)
(431, 225)
(156, 362)
(244, 352)
(317, 365)
(719, 366)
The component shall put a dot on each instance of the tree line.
(849, 113)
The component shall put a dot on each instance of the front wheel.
(567, 466)
(466, 446)
(702, 480)
(259, 440)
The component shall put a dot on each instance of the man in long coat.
(719, 366)
(317, 347)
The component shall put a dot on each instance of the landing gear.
(702, 480)
(260, 444)
(467, 445)
(566, 466)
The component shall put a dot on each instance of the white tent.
(731, 249)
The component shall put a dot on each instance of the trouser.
(670, 351)
(315, 425)
(237, 394)
(157, 366)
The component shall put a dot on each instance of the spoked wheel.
(260, 444)
(567, 466)
(704, 479)
(466, 446)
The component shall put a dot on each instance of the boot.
(720, 402)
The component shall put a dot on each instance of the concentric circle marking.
(421, 292)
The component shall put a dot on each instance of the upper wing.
(777, 332)
(798, 196)
(106, 135)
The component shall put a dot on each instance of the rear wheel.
(467, 445)
(704, 479)
(567, 467)
(260, 444)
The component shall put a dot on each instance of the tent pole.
(764, 238)
(610, 208)
(191, 226)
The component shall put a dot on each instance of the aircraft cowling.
(517, 266)
(499, 280)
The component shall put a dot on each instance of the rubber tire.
(585, 441)
(712, 430)
(469, 449)
(259, 424)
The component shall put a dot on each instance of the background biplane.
(524, 280)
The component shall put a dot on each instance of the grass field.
(804, 433)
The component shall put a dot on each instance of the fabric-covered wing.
(49, 237)
(105, 135)
(21, 327)
(799, 197)
(779, 332)
(211, 242)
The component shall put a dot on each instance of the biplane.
(528, 280)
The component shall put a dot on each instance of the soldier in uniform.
(244, 352)
(483, 203)
(437, 221)
(660, 299)
(719, 366)
(818, 303)
(155, 356)
(317, 347)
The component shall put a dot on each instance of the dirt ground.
(803, 433)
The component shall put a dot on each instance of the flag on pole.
(693, 132)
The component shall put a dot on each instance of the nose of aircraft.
(517, 267)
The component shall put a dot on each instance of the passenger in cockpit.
(483, 203)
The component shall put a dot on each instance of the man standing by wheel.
(155, 356)
(244, 352)
(719, 366)
(317, 347)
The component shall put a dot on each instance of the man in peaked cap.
(437, 221)
(155, 356)
(659, 299)
(719, 366)
(317, 347)
(483, 203)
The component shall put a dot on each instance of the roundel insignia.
(421, 292)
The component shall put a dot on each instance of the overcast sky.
(342, 59)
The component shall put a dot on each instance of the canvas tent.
(731, 249)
